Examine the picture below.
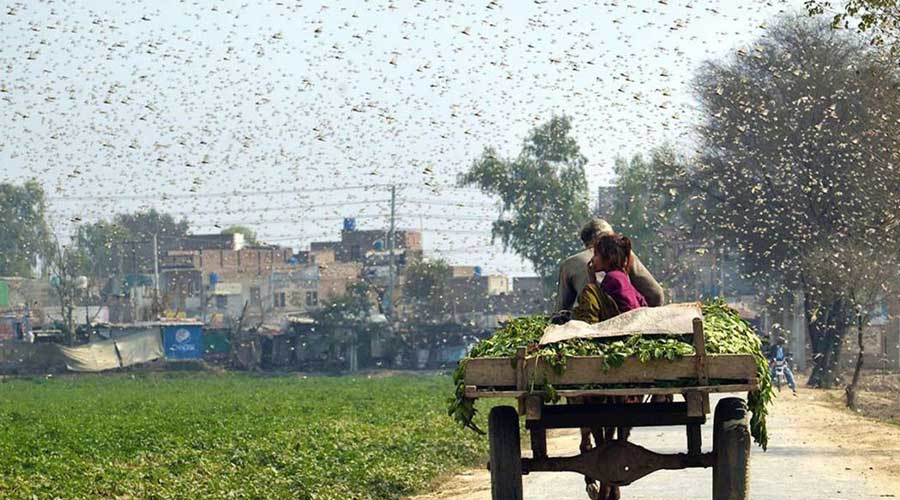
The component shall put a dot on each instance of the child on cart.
(614, 294)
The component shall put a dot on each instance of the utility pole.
(389, 299)
(156, 273)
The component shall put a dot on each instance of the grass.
(174, 436)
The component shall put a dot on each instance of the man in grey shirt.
(574, 274)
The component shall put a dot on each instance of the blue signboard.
(183, 341)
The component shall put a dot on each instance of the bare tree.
(62, 266)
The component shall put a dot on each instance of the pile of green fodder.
(725, 331)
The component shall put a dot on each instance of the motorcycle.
(780, 378)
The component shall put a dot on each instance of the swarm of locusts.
(726, 333)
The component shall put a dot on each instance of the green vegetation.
(249, 234)
(107, 247)
(544, 195)
(652, 202)
(24, 234)
(804, 221)
(425, 288)
(226, 436)
(725, 333)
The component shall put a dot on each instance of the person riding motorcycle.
(780, 364)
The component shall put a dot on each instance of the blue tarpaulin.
(183, 341)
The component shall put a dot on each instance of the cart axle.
(617, 462)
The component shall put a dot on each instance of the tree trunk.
(235, 338)
(826, 333)
(66, 308)
(852, 388)
(70, 323)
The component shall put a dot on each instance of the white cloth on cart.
(673, 319)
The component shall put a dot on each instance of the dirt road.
(816, 452)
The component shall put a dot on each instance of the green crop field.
(171, 436)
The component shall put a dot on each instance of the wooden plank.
(615, 415)
(694, 439)
(694, 400)
(534, 406)
(581, 370)
(481, 392)
(521, 369)
(538, 442)
(699, 340)
(498, 372)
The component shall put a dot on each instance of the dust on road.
(817, 451)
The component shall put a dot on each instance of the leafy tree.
(347, 310)
(797, 171)
(101, 248)
(650, 206)
(104, 244)
(544, 195)
(24, 235)
(249, 234)
(63, 263)
(143, 225)
(346, 318)
(425, 288)
(878, 18)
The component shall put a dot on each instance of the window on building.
(254, 296)
(221, 301)
(280, 300)
(355, 253)
(312, 298)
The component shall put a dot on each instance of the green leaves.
(249, 234)
(544, 195)
(424, 287)
(103, 245)
(227, 436)
(878, 18)
(24, 234)
(651, 197)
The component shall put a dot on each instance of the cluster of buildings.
(225, 283)
(213, 277)
(222, 281)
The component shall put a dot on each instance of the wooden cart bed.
(516, 377)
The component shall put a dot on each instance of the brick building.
(356, 244)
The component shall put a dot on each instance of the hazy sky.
(274, 114)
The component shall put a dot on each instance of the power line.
(164, 196)
(460, 204)
(326, 205)
(272, 209)
(300, 220)
(178, 196)
(475, 218)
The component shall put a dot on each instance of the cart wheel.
(506, 454)
(731, 445)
